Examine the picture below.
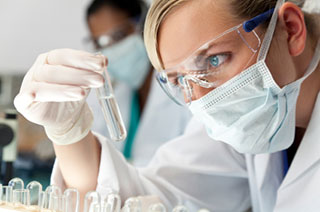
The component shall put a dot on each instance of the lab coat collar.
(308, 152)
(268, 169)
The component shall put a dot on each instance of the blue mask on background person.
(251, 112)
(128, 61)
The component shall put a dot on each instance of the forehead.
(189, 26)
(105, 19)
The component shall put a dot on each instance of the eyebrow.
(221, 43)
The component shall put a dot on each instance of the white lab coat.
(161, 120)
(202, 173)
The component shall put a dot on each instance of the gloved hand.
(54, 90)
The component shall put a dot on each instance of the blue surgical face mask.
(128, 61)
(251, 112)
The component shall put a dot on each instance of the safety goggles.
(111, 37)
(214, 63)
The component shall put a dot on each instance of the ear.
(291, 18)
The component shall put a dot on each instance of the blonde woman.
(247, 69)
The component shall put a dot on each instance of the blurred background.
(29, 28)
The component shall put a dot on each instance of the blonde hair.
(161, 8)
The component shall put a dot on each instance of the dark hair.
(134, 8)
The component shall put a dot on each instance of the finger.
(58, 74)
(22, 101)
(45, 92)
(76, 59)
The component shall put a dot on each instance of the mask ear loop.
(270, 32)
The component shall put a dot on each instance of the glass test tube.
(180, 208)
(1, 194)
(6, 194)
(111, 110)
(35, 189)
(132, 204)
(158, 207)
(92, 202)
(52, 198)
(111, 203)
(21, 198)
(16, 183)
(71, 200)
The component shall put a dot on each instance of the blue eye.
(217, 60)
(214, 61)
(181, 81)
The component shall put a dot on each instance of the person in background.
(116, 31)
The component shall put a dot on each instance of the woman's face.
(194, 23)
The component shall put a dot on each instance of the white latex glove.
(53, 93)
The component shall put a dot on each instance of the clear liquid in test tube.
(110, 109)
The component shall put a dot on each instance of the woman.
(240, 74)
(116, 31)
